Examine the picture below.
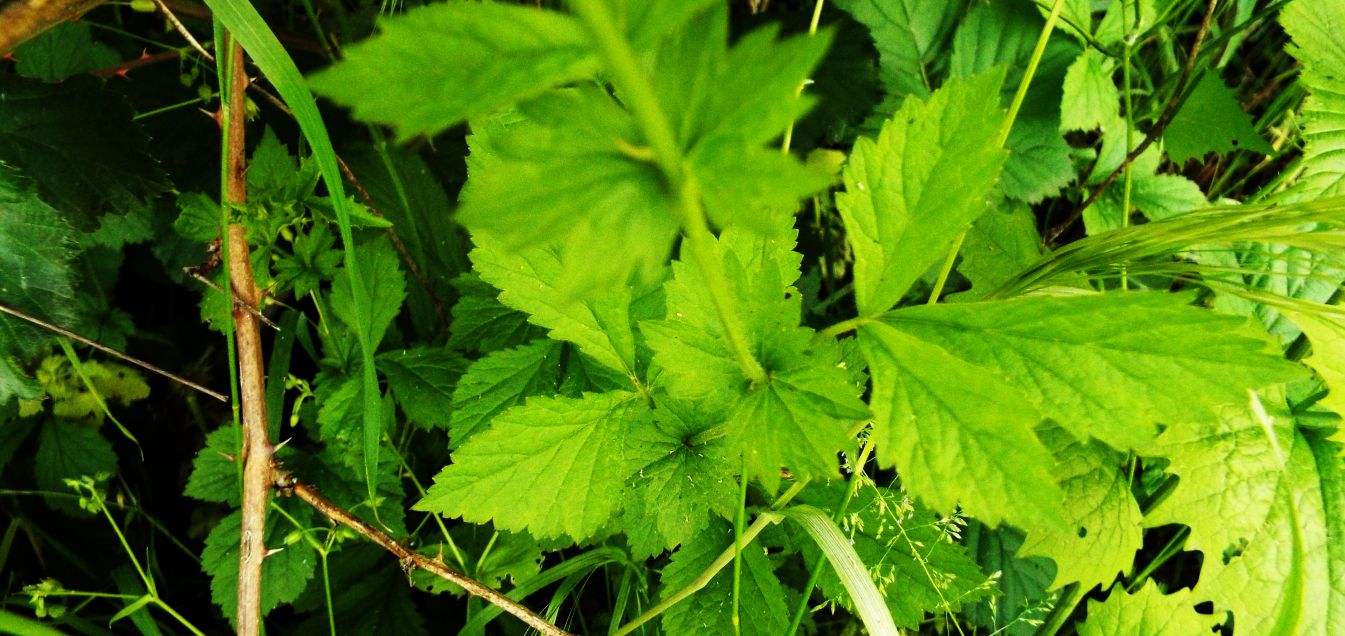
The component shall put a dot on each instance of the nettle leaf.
(1328, 358)
(1314, 26)
(1211, 120)
(502, 379)
(802, 417)
(957, 433)
(1103, 521)
(909, 37)
(761, 597)
(1285, 578)
(76, 140)
(482, 323)
(672, 499)
(554, 466)
(385, 285)
(560, 172)
(1147, 612)
(36, 246)
(993, 34)
(423, 380)
(1000, 244)
(1039, 163)
(921, 184)
(912, 557)
(70, 450)
(214, 474)
(805, 413)
(500, 54)
(600, 327)
(1091, 100)
(1230, 475)
(1020, 583)
(285, 573)
(1102, 365)
(65, 50)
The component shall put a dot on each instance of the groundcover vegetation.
(672, 317)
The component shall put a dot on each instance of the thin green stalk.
(224, 53)
(812, 31)
(1128, 179)
(1004, 129)
(163, 109)
(764, 519)
(1064, 607)
(739, 520)
(1173, 547)
(841, 507)
(639, 98)
(850, 324)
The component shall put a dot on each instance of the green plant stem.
(816, 572)
(739, 520)
(812, 31)
(639, 97)
(1004, 130)
(708, 574)
(1173, 547)
(844, 326)
(1128, 180)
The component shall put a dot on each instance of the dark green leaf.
(422, 380)
(499, 381)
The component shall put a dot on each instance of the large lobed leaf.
(36, 245)
(1104, 365)
(919, 185)
(554, 466)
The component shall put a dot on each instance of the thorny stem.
(407, 556)
(639, 97)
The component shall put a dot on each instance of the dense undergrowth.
(685, 317)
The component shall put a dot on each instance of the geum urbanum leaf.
(923, 182)
(553, 466)
(440, 64)
(1105, 365)
(957, 433)
(805, 412)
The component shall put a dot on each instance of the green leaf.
(1211, 120)
(35, 278)
(1123, 375)
(909, 36)
(1314, 26)
(1091, 100)
(670, 501)
(1000, 244)
(482, 323)
(214, 473)
(553, 467)
(1021, 583)
(761, 597)
(802, 417)
(500, 54)
(1285, 578)
(1039, 163)
(1328, 358)
(499, 381)
(957, 433)
(76, 140)
(285, 574)
(65, 50)
(562, 175)
(919, 186)
(1230, 475)
(69, 450)
(315, 260)
(199, 218)
(423, 380)
(370, 597)
(382, 277)
(993, 34)
(1103, 521)
(1147, 612)
(600, 327)
(912, 555)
